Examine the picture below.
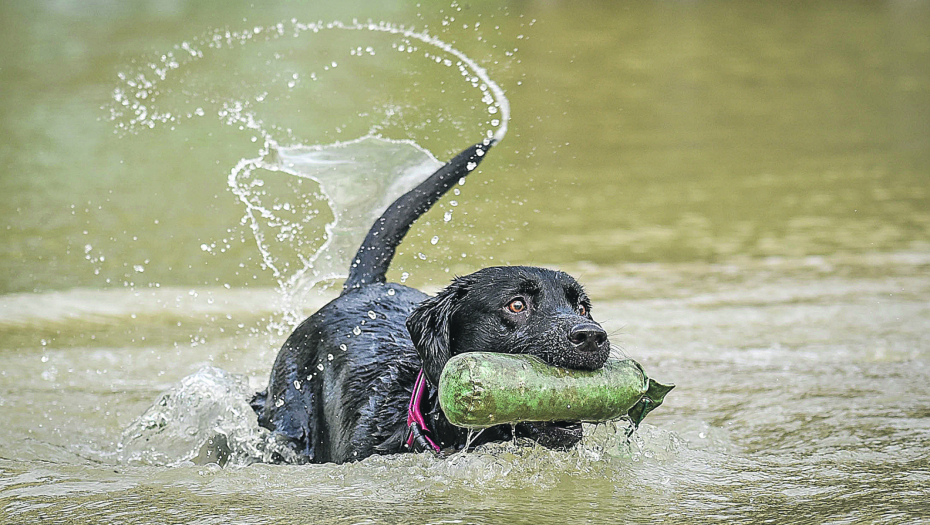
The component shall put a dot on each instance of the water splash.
(206, 418)
(357, 180)
(495, 100)
(134, 104)
(307, 206)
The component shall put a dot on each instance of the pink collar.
(417, 431)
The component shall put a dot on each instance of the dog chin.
(558, 435)
(576, 360)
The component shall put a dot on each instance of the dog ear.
(429, 326)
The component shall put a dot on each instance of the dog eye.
(517, 306)
(582, 309)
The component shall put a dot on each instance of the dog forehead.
(503, 282)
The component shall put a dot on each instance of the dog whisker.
(617, 352)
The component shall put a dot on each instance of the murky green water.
(743, 188)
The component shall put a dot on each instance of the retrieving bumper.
(480, 389)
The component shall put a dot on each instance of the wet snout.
(587, 337)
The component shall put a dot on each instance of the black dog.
(341, 386)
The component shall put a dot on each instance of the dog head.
(514, 310)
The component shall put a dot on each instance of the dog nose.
(587, 336)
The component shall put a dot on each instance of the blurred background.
(641, 132)
(743, 187)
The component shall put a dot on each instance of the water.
(743, 190)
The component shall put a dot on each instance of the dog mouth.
(559, 435)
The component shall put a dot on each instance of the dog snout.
(587, 337)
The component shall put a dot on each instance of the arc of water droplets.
(136, 91)
(499, 98)
(246, 165)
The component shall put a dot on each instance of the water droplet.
(371, 315)
(391, 291)
(319, 367)
(297, 384)
(471, 165)
(356, 331)
(279, 403)
(447, 216)
(404, 276)
(433, 241)
(329, 357)
(138, 268)
(343, 347)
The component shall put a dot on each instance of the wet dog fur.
(341, 382)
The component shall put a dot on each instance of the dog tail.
(371, 262)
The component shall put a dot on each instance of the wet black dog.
(341, 384)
